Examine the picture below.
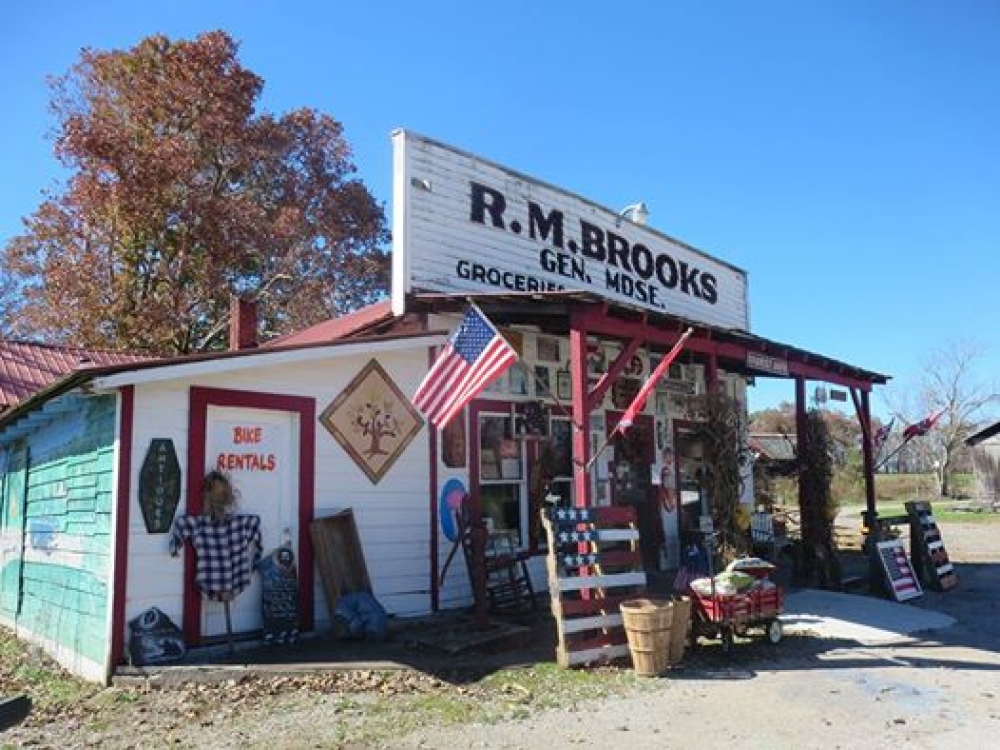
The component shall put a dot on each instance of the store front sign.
(767, 363)
(462, 224)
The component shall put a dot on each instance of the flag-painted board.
(594, 564)
(902, 577)
(930, 557)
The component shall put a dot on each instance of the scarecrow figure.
(226, 545)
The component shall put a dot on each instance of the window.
(562, 449)
(502, 476)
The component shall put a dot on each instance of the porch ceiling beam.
(702, 343)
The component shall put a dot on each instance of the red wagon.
(718, 615)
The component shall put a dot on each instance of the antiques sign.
(463, 224)
(159, 486)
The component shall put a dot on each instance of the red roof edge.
(338, 328)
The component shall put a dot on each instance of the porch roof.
(553, 312)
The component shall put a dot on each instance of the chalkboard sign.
(929, 554)
(900, 574)
(159, 485)
(279, 596)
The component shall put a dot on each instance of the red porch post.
(800, 429)
(581, 408)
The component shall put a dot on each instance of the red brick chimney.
(242, 324)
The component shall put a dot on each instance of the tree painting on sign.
(372, 420)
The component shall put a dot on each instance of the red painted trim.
(597, 605)
(581, 410)
(609, 515)
(432, 482)
(201, 398)
(126, 419)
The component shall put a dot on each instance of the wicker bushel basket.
(647, 625)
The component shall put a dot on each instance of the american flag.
(474, 357)
(881, 435)
(640, 400)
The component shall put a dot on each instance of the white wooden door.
(258, 449)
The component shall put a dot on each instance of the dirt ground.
(937, 689)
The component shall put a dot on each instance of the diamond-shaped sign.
(372, 420)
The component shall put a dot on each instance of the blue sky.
(844, 153)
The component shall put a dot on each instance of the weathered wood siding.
(61, 584)
(986, 469)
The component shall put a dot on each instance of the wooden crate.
(594, 564)
(339, 557)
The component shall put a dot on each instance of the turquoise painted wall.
(65, 572)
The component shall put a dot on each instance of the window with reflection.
(502, 477)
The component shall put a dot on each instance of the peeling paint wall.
(55, 589)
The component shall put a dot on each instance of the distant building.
(984, 447)
(774, 452)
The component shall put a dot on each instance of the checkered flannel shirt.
(226, 551)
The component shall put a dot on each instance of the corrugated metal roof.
(28, 367)
(337, 328)
(774, 446)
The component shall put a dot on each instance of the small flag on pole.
(640, 400)
(475, 356)
(881, 435)
(921, 428)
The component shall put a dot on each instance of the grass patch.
(26, 670)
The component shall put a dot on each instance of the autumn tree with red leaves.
(181, 195)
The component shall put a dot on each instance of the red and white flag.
(475, 356)
(881, 435)
(921, 428)
(640, 400)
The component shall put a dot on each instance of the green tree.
(180, 194)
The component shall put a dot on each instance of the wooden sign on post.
(929, 554)
(159, 485)
(900, 574)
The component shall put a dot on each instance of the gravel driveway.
(938, 688)
(935, 689)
